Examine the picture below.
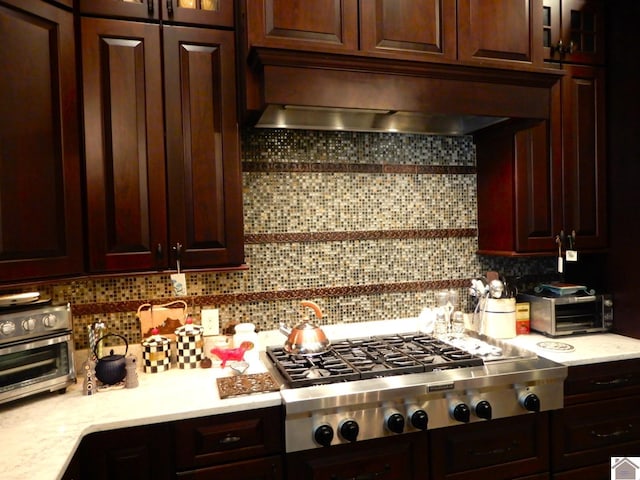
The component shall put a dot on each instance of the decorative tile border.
(259, 238)
(279, 167)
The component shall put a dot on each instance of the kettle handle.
(126, 343)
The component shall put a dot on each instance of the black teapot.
(111, 368)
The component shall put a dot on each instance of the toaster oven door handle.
(590, 298)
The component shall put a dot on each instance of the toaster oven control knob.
(418, 418)
(323, 434)
(29, 324)
(530, 402)
(349, 430)
(7, 328)
(461, 412)
(394, 421)
(483, 409)
(50, 320)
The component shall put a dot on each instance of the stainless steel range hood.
(365, 120)
(309, 90)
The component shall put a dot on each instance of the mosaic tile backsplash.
(367, 225)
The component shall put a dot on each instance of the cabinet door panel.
(40, 201)
(327, 25)
(205, 203)
(422, 29)
(123, 144)
(203, 12)
(269, 468)
(500, 31)
(584, 156)
(583, 30)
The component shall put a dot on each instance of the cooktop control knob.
(50, 320)
(323, 434)
(349, 430)
(418, 418)
(394, 421)
(530, 402)
(482, 409)
(7, 328)
(461, 412)
(29, 324)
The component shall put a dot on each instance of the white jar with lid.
(246, 332)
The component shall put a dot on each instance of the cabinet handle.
(495, 451)
(170, 7)
(617, 433)
(150, 6)
(229, 439)
(365, 476)
(608, 383)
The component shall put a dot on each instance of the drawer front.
(269, 468)
(602, 381)
(227, 438)
(499, 449)
(592, 433)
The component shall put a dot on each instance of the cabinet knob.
(150, 6)
(170, 7)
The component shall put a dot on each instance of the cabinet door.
(392, 458)
(204, 12)
(140, 453)
(322, 25)
(573, 31)
(421, 30)
(121, 8)
(203, 160)
(500, 32)
(40, 183)
(584, 163)
(124, 147)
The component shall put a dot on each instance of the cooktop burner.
(372, 357)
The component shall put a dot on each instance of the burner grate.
(371, 357)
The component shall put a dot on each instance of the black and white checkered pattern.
(156, 354)
(189, 343)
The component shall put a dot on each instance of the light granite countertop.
(40, 435)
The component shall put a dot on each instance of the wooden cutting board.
(246, 384)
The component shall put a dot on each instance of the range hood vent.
(309, 90)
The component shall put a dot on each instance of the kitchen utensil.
(111, 368)
(496, 288)
(306, 338)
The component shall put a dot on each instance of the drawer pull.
(366, 476)
(230, 439)
(617, 433)
(495, 451)
(608, 383)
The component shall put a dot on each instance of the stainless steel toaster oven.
(569, 314)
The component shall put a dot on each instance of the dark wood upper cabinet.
(40, 183)
(219, 13)
(146, 9)
(124, 148)
(203, 153)
(414, 29)
(573, 31)
(201, 12)
(133, 224)
(324, 25)
(500, 31)
(584, 155)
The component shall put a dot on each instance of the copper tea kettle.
(305, 338)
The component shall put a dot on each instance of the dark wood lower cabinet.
(137, 453)
(269, 468)
(392, 458)
(507, 449)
